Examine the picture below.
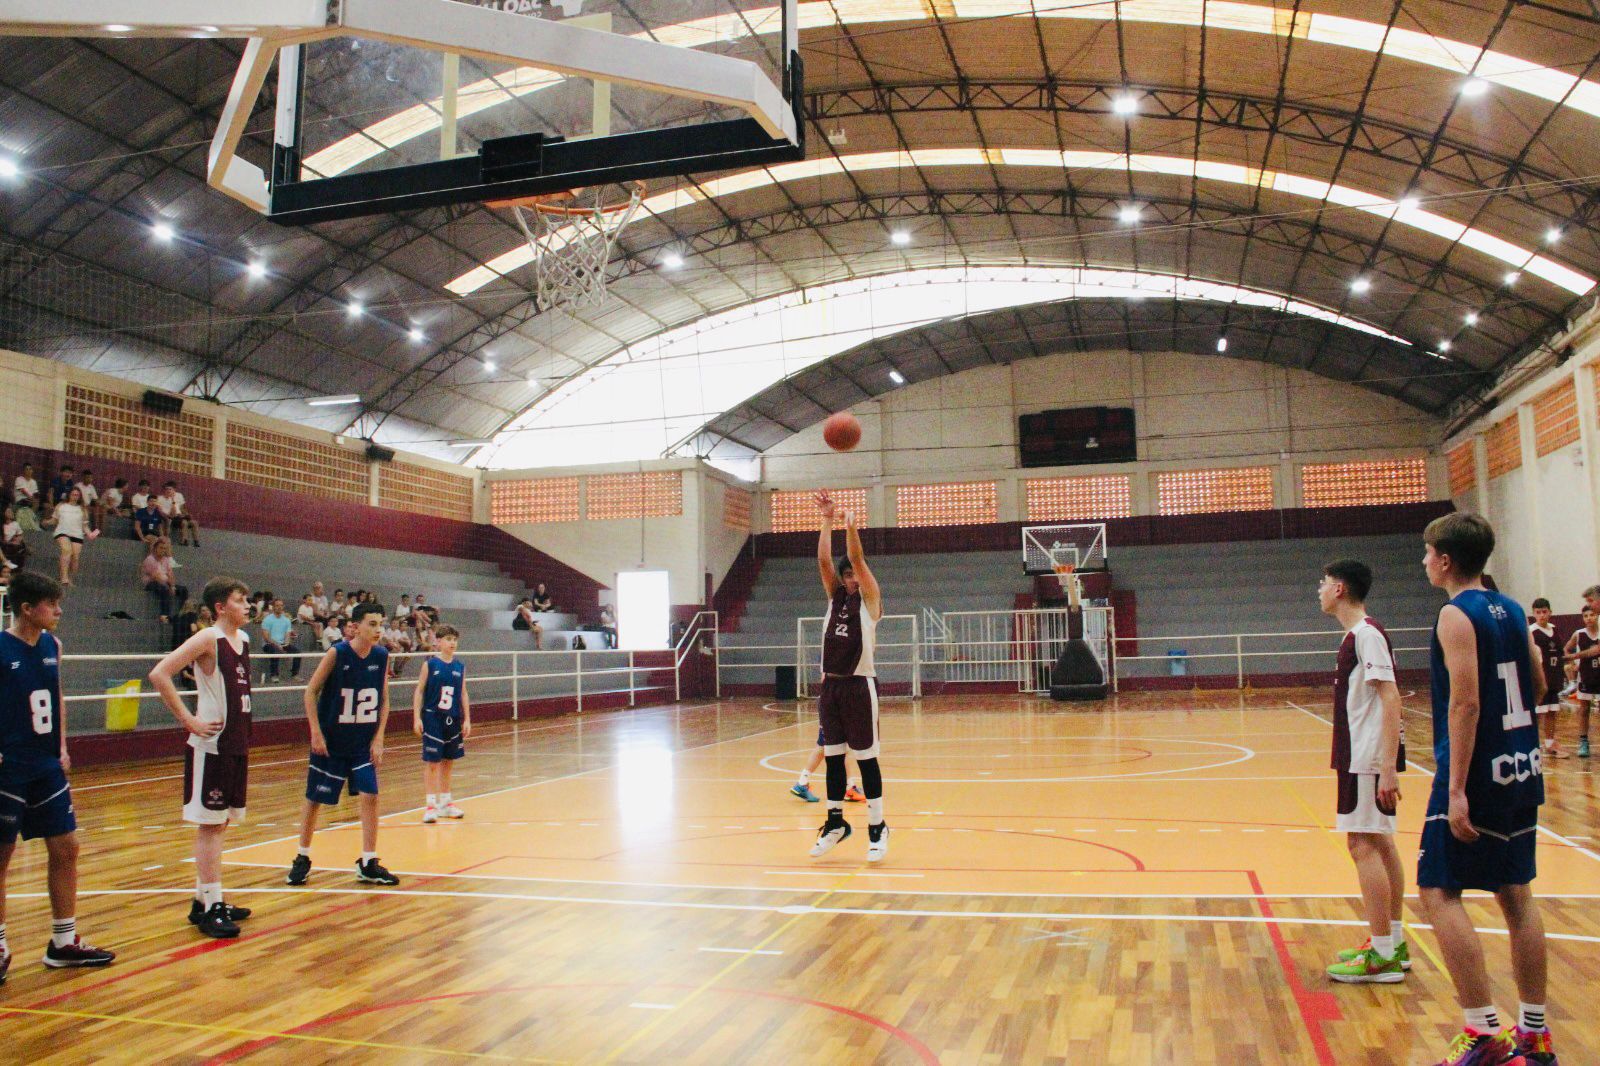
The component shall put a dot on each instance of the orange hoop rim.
(545, 203)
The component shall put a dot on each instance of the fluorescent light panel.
(333, 401)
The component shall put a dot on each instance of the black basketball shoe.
(373, 873)
(299, 870)
(197, 912)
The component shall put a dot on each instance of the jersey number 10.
(359, 707)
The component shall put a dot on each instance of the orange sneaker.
(855, 795)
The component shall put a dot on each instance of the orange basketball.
(842, 431)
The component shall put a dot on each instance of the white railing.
(700, 635)
(1289, 651)
(1019, 646)
(897, 652)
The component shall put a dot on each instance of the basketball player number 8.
(43, 718)
(1516, 714)
(359, 706)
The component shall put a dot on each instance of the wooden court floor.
(1150, 882)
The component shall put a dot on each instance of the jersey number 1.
(1516, 715)
(359, 707)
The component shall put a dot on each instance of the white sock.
(368, 856)
(1531, 1017)
(1483, 1019)
(1397, 933)
(805, 777)
(875, 811)
(63, 931)
(210, 894)
(1384, 946)
(444, 799)
(433, 800)
(304, 851)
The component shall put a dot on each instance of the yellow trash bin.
(122, 708)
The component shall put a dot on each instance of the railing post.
(632, 695)
(516, 698)
(578, 677)
(916, 661)
(716, 652)
(1238, 651)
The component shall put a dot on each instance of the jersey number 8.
(359, 707)
(43, 710)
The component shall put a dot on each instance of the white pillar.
(374, 472)
(1480, 474)
(219, 444)
(1589, 443)
(1532, 497)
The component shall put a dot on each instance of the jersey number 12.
(359, 707)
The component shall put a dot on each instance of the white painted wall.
(28, 406)
(1568, 532)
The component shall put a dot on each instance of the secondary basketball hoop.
(571, 235)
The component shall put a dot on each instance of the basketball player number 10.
(1516, 714)
(359, 706)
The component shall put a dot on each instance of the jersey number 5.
(43, 710)
(359, 707)
(1516, 715)
(447, 697)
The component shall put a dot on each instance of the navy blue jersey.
(30, 706)
(443, 692)
(352, 698)
(1506, 771)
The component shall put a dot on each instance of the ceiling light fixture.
(1360, 285)
(9, 168)
(470, 443)
(163, 232)
(1552, 235)
(1471, 318)
(257, 269)
(1474, 87)
(490, 366)
(1222, 344)
(1130, 213)
(900, 237)
(1444, 346)
(354, 309)
(1513, 277)
(1410, 203)
(1126, 104)
(897, 377)
(417, 335)
(333, 401)
(671, 260)
(117, 27)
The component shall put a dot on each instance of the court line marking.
(813, 909)
(743, 951)
(1247, 755)
(1546, 830)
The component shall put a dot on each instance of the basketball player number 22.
(1516, 714)
(39, 703)
(359, 706)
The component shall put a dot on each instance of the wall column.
(219, 444)
(1531, 494)
(1589, 444)
(373, 474)
(1480, 474)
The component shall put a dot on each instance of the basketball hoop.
(1064, 573)
(571, 236)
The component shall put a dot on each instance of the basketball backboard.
(385, 105)
(1078, 545)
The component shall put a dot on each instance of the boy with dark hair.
(216, 762)
(35, 799)
(347, 705)
(1544, 638)
(148, 525)
(1368, 755)
(1583, 651)
(442, 717)
(62, 486)
(1483, 814)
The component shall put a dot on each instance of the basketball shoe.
(1583, 747)
(1403, 953)
(216, 922)
(834, 831)
(429, 816)
(1471, 1048)
(855, 795)
(299, 870)
(373, 873)
(76, 953)
(1368, 968)
(197, 912)
(452, 811)
(805, 793)
(877, 842)
(1536, 1047)
(5, 966)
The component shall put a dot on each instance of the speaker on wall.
(163, 403)
(378, 453)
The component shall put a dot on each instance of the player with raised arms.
(35, 799)
(216, 762)
(1483, 814)
(848, 705)
(347, 706)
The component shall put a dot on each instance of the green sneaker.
(1583, 747)
(1368, 968)
(1403, 953)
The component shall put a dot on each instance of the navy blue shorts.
(37, 806)
(441, 736)
(1502, 855)
(326, 778)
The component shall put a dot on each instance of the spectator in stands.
(332, 633)
(12, 546)
(608, 624)
(148, 525)
(578, 643)
(175, 509)
(426, 608)
(158, 578)
(141, 496)
(91, 498)
(337, 605)
(71, 522)
(524, 619)
(278, 631)
(26, 489)
(403, 612)
(260, 603)
(202, 620)
(61, 487)
(116, 498)
(427, 639)
(306, 615)
(542, 600)
(319, 601)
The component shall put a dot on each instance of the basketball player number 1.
(1516, 714)
(359, 706)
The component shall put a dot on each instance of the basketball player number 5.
(359, 707)
(1516, 714)
(43, 719)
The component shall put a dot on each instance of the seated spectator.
(174, 508)
(259, 604)
(140, 497)
(332, 633)
(427, 639)
(61, 487)
(148, 525)
(541, 599)
(578, 643)
(156, 574)
(608, 624)
(71, 522)
(338, 605)
(12, 546)
(91, 498)
(279, 633)
(116, 498)
(202, 620)
(523, 619)
(319, 601)
(403, 611)
(26, 489)
(426, 608)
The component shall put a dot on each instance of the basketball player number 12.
(1516, 714)
(359, 706)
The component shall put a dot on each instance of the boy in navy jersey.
(1483, 814)
(35, 799)
(347, 704)
(442, 717)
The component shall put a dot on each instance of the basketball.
(842, 431)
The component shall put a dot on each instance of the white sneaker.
(429, 816)
(830, 836)
(452, 811)
(877, 842)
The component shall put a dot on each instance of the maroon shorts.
(214, 787)
(848, 708)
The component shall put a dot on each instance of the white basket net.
(572, 244)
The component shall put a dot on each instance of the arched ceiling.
(1359, 96)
